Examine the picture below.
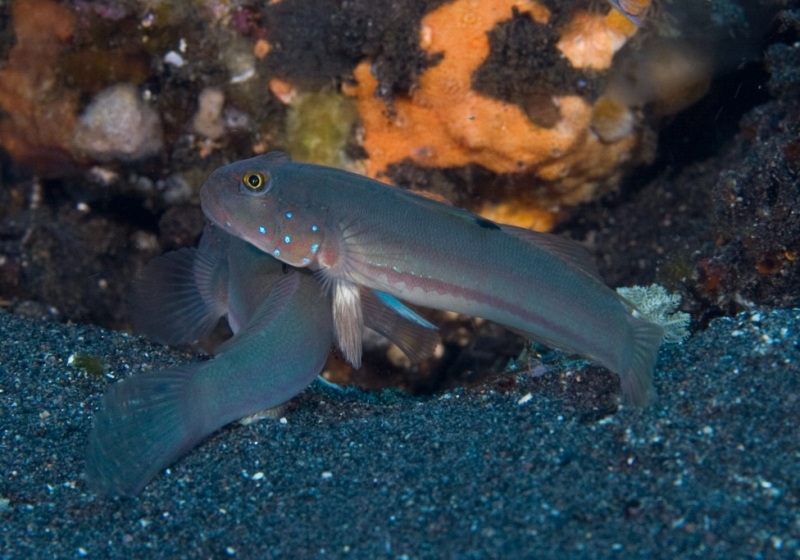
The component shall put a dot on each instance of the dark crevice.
(701, 131)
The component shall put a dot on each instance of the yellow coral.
(445, 123)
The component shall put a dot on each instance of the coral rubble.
(118, 124)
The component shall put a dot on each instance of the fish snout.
(212, 207)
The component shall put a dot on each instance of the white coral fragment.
(118, 125)
(654, 304)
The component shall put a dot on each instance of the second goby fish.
(148, 421)
(283, 334)
(360, 232)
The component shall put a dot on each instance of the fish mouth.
(219, 218)
(223, 222)
(214, 211)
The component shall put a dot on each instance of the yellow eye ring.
(254, 181)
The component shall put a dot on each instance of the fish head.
(254, 200)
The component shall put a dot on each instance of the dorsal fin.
(571, 252)
(432, 196)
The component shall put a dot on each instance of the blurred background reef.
(666, 138)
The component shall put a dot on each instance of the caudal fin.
(637, 377)
(141, 428)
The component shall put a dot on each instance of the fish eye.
(255, 182)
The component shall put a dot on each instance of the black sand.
(710, 470)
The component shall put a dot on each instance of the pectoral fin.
(348, 320)
(179, 297)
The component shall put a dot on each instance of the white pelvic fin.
(348, 320)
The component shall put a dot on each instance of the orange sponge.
(445, 123)
(41, 112)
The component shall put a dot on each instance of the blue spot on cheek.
(287, 239)
(315, 248)
(277, 252)
(314, 228)
(289, 215)
(262, 230)
(227, 224)
(306, 261)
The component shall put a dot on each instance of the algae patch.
(318, 127)
(91, 365)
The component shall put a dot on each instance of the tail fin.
(637, 377)
(142, 427)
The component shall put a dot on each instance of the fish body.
(180, 297)
(360, 232)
